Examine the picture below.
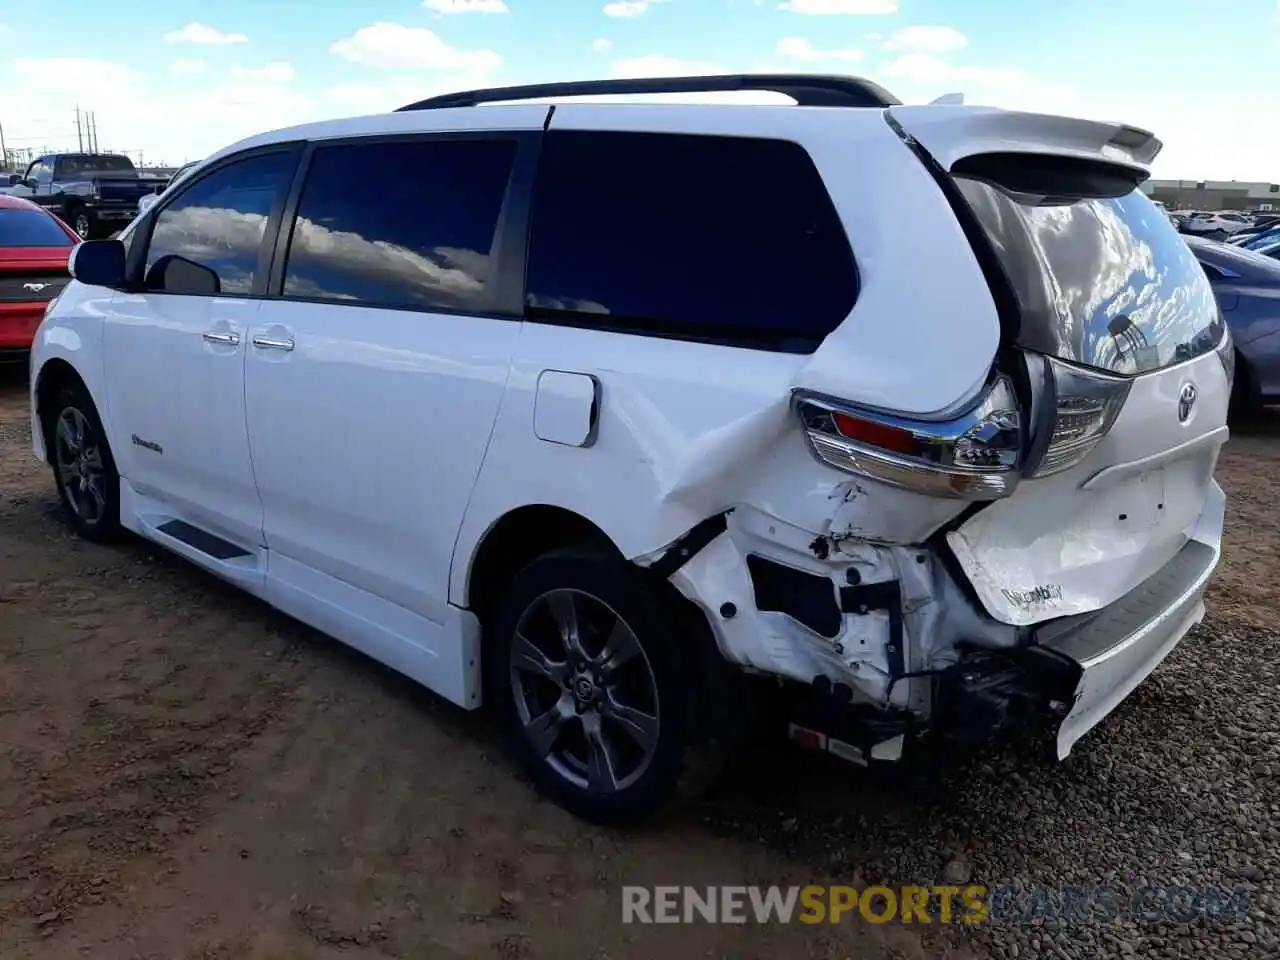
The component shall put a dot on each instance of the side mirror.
(99, 263)
(174, 274)
(15, 179)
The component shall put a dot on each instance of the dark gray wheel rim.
(82, 226)
(78, 456)
(585, 691)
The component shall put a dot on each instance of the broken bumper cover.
(1118, 647)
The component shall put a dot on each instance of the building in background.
(1214, 194)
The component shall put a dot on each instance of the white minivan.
(616, 416)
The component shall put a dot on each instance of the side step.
(207, 543)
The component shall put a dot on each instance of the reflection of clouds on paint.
(222, 239)
(341, 265)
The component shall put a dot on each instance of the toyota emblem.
(1186, 402)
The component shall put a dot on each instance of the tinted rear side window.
(729, 240)
(400, 224)
(1101, 275)
(31, 228)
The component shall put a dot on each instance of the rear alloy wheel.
(592, 679)
(82, 224)
(584, 691)
(83, 468)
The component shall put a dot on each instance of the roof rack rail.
(808, 90)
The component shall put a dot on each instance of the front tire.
(83, 467)
(594, 681)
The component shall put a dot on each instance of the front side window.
(723, 239)
(400, 223)
(219, 221)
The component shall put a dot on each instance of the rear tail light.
(976, 456)
(1085, 403)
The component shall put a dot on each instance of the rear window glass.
(719, 239)
(87, 166)
(1101, 276)
(31, 228)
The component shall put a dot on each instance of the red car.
(34, 247)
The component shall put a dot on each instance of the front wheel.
(594, 681)
(83, 468)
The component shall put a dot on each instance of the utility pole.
(93, 131)
(79, 131)
(4, 154)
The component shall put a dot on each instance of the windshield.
(1102, 279)
(31, 228)
(78, 166)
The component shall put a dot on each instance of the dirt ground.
(186, 774)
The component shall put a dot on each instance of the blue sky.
(176, 79)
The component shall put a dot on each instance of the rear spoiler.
(952, 132)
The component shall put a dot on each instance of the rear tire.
(83, 468)
(81, 221)
(609, 727)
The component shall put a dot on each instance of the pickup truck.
(93, 193)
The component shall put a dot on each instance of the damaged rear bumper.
(1116, 649)
(886, 632)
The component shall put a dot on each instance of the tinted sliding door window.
(724, 239)
(407, 224)
(220, 220)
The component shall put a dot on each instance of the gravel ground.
(186, 774)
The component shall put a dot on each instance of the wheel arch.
(513, 541)
(54, 375)
(524, 533)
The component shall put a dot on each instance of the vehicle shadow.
(1264, 423)
(13, 374)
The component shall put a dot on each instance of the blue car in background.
(1267, 244)
(1247, 285)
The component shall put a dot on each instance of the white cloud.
(626, 8)
(391, 46)
(187, 66)
(161, 121)
(927, 39)
(394, 92)
(797, 48)
(277, 72)
(820, 8)
(601, 44)
(927, 70)
(660, 65)
(198, 33)
(73, 75)
(466, 6)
